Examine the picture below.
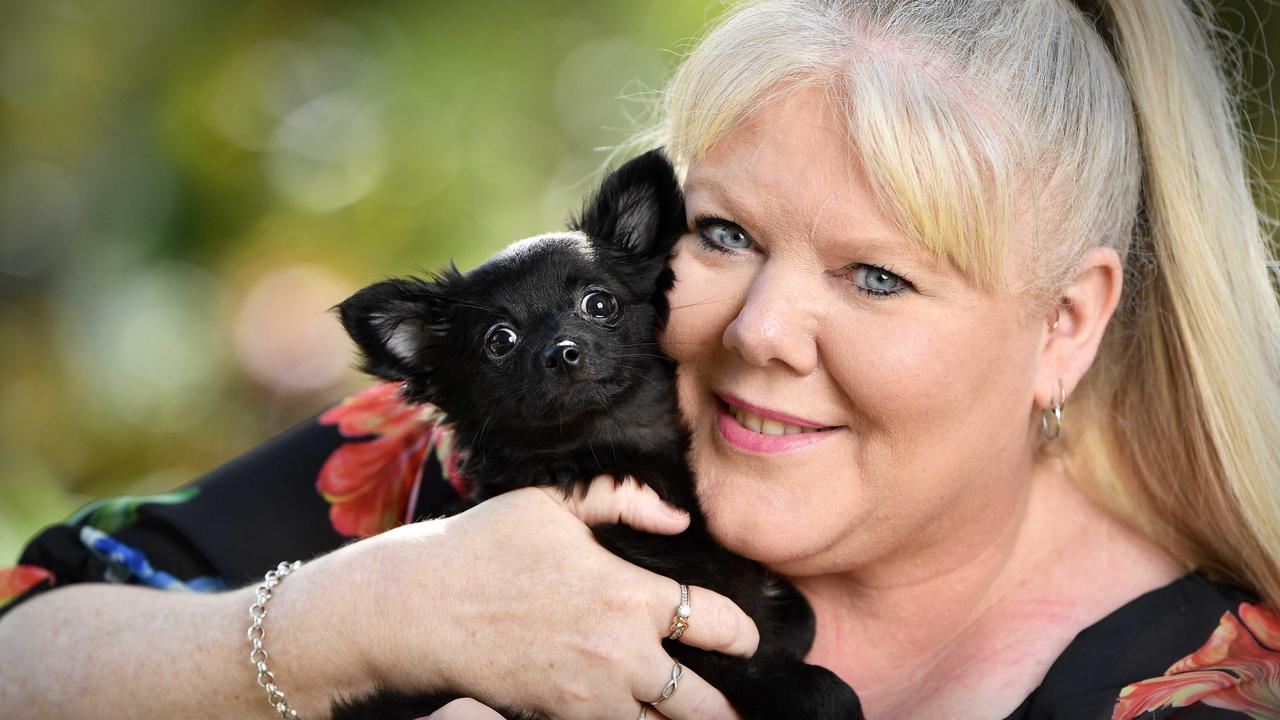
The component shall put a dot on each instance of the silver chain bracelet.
(258, 656)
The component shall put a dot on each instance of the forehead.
(535, 274)
(528, 249)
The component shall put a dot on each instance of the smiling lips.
(755, 429)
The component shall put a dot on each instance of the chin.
(766, 518)
(785, 511)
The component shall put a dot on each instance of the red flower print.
(372, 483)
(20, 578)
(373, 411)
(1238, 668)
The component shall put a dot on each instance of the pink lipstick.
(759, 430)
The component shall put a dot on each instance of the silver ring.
(680, 622)
(644, 712)
(677, 671)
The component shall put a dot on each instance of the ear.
(398, 325)
(1081, 317)
(638, 210)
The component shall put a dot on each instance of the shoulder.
(1191, 649)
(363, 466)
(1234, 667)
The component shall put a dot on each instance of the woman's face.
(796, 298)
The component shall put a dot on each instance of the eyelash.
(702, 222)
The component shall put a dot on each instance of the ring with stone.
(680, 622)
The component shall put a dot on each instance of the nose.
(778, 321)
(564, 356)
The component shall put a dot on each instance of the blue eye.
(721, 234)
(875, 280)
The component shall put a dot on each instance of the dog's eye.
(599, 305)
(500, 341)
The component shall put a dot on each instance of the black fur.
(553, 414)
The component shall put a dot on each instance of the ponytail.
(1181, 415)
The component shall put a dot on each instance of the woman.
(1003, 255)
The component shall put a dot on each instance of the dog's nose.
(565, 355)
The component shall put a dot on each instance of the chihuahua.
(545, 363)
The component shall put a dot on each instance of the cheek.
(704, 300)
(940, 409)
(932, 372)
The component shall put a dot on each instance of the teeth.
(766, 426)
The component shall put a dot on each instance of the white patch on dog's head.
(569, 238)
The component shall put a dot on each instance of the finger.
(465, 709)
(651, 713)
(605, 501)
(715, 622)
(692, 699)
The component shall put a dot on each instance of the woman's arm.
(512, 602)
(97, 650)
(93, 645)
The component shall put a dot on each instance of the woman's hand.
(514, 603)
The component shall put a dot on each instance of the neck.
(1053, 566)
(912, 606)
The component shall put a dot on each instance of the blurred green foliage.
(187, 185)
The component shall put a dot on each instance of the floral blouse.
(1192, 649)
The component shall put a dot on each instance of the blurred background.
(186, 186)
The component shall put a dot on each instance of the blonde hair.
(1128, 129)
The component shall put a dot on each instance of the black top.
(371, 463)
(1141, 640)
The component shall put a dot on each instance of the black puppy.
(545, 363)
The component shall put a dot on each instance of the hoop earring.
(1056, 414)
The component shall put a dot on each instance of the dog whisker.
(699, 303)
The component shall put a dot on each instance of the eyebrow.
(874, 245)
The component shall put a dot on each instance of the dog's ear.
(400, 325)
(638, 209)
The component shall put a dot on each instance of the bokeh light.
(284, 337)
